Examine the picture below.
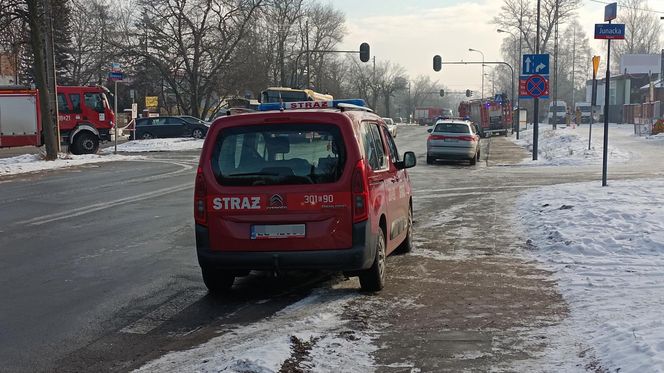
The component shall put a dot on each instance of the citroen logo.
(277, 201)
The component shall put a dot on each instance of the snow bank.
(264, 346)
(569, 147)
(657, 137)
(606, 248)
(35, 162)
(158, 145)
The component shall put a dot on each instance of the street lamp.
(480, 52)
(518, 63)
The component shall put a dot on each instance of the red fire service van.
(301, 185)
(84, 115)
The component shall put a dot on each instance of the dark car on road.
(159, 127)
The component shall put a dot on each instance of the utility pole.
(410, 103)
(536, 103)
(308, 58)
(374, 69)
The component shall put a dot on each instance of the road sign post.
(115, 75)
(534, 83)
(593, 100)
(608, 32)
(134, 115)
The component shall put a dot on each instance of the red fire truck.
(490, 115)
(84, 114)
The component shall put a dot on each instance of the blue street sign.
(113, 75)
(609, 31)
(535, 64)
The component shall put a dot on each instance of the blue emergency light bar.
(303, 105)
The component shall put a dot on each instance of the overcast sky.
(411, 32)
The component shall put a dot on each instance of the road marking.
(163, 313)
(103, 205)
(184, 167)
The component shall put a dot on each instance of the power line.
(629, 7)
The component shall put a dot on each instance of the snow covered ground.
(157, 145)
(606, 248)
(35, 162)
(314, 326)
(569, 146)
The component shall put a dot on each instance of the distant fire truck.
(84, 114)
(429, 115)
(491, 115)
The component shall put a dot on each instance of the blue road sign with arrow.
(535, 64)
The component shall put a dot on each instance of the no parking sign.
(533, 86)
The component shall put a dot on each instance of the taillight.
(436, 137)
(360, 192)
(200, 191)
(467, 138)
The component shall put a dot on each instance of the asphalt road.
(99, 271)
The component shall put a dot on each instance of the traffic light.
(437, 63)
(365, 53)
(442, 93)
(469, 93)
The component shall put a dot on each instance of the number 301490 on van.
(301, 189)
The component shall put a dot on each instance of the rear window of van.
(279, 154)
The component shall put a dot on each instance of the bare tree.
(393, 79)
(281, 16)
(193, 44)
(421, 90)
(324, 28)
(32, 15)
(360, 81)
(520, 15)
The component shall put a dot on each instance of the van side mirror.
(409, 160)
(430, 130)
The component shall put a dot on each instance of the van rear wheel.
(373, 279)
(217, 281)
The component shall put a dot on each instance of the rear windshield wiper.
(255, 174)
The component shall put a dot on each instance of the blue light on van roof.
(304, 105)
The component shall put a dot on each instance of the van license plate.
(262, 232)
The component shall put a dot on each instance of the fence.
(643, 116)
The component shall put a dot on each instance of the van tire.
(85, 142)
(407, 244)
(473, 161)
(430, 160)
(373, 279)
(217, 281)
